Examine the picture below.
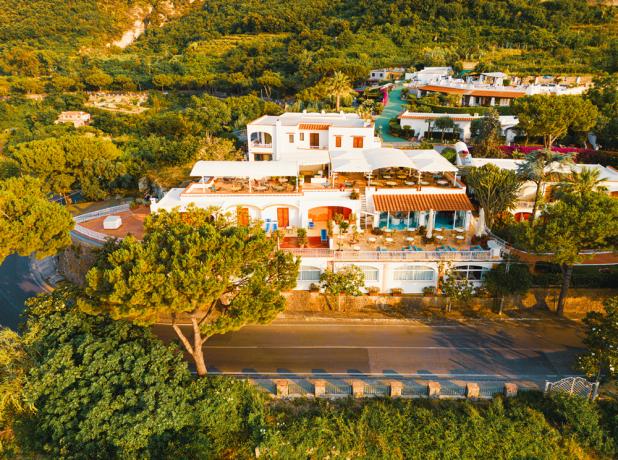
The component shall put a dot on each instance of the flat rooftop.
(343, 120)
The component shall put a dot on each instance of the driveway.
(393, 108)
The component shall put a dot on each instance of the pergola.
(367, 161)
(245, 169)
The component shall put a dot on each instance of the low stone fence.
(388, 388)
(579, 302)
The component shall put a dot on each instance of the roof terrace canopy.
(250, 169)
(369, 160)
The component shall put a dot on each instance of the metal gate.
(574, 386)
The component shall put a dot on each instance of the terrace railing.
(392, 255)
(101, 212)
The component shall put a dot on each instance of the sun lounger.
(476, 248)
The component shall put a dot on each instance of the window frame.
(415, 270)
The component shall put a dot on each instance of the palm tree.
(495, 189)
(444, 123)
(581, 183)
(538, 167)
(339, 86)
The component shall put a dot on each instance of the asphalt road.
(521, 350)
(16, 285)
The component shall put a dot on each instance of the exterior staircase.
(366, 220)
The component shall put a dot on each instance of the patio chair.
(416, 248)
(311, 224)
(441, 249)
(275, 226)
(323, 235)
(267, 226)
(476, 248)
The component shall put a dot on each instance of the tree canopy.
(495, 189)
(573, 224)
(198, 266)
(29, 222)
(551, 117)
(70, 162)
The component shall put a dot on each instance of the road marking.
(378, 347)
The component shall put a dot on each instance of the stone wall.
(579, 302)
(74, 262)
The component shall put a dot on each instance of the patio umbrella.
(430, 220)
(480, 224)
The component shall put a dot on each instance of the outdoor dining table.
(388, 240)
(439, 237)
(356, 248)
(459, 230)
(391, 183)
(388, 230)
(371, 239)
(410, 239)
(442, 182)
(459, 237)
(387, 177)
(410, 183)
(423, 182)
(260, 188)
(402, 176)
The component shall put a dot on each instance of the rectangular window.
(413, 275)
(314, 140)
(309, 274)
(337, 141)
(302, 136)
(357, 142)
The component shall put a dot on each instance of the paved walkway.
(393, 108)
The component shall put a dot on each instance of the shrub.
(373, 290)
(354, 195)
(396, 291)
(313, 287)
(301, 236)
(429, 291)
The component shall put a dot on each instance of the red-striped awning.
(422, 202)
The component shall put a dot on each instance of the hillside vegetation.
(228, 45)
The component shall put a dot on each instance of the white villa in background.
(391, 73)
(307, 170)
(76, 118)
(525, 203)
(429, 74)
(421, 123)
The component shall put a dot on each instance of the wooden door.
(314, 140)
(242, 216)
(283, 217)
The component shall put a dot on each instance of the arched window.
(309, 273)
(414, 273)
(371, 273)
(470, 272)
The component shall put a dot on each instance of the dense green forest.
(239, 46)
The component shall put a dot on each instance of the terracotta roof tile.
(473, 92)
(422, 202)
(314, 126)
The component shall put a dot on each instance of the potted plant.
(354, 195)
(429, 291)
(373, 291)
(301, 237)
(344, 225)
(396, 291)
(314, 287)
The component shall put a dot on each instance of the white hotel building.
(309, 170)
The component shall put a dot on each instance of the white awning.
(371, 159)
(251, 169)
(430, 161)
(308, 157)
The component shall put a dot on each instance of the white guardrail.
(392, 255)
(93, 215)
